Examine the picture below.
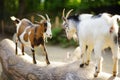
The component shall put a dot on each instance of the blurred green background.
(29, 8)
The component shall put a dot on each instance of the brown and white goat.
(33, 35)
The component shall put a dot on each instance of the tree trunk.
(22, 7)
(18, 67)
(1, 9)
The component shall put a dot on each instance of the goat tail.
(16, 20)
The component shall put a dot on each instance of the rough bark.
(19, 67)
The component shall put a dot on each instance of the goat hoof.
(114, 74)
(35, 62)
(82, 65)
(95, 75)
(86, 64)
(23, 54)
(48, 63)
(16, 53)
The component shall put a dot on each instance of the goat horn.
(47, 17)
(63, 14)
(41, 16)
(69, 13)
(37, 22)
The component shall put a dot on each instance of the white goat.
(97, 32)
(33, 35)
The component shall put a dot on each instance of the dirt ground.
(58, 54)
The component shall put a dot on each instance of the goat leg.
(16, 51)
(44, 49)
(115, 66)
(98, 68)
(22, 49)
(33, 52)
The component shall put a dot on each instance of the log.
(19, 67)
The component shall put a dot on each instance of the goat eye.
(45, 24)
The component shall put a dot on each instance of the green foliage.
(60, 38)
(33, 5)
(53, 7)
(73, 3)
(98, 3)
(11, 6)
(28, 8)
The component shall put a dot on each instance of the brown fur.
(26, 34)
(24, 23)
(111, 29)
(35, 33)
(26, 37)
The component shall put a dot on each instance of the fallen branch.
(19, 67)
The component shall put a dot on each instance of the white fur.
(48, 32)
(85, 16)
(95, 33)
(13, 18)
(18, 26)
(22, 37)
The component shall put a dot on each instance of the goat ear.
(45, 24)
(118, 19)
